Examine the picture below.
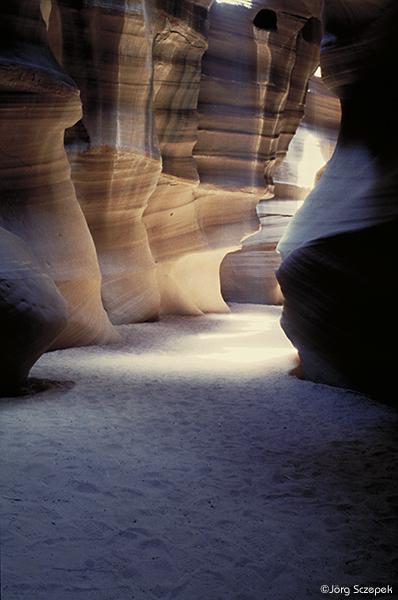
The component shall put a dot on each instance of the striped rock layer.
(136, 139)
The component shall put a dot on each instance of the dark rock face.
(339, 296)
(340, 250)
(32, 311)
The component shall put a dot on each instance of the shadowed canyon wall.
(339, 252)
(50, 278)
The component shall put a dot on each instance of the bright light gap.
(245, 3)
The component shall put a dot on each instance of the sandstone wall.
(248, 275)
(113, 148)
(339, 252)
(252, 99)
(164, 205)
(174, 116)
(38, 204)
(176, 238)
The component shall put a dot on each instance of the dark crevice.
(33, 385)
(265, 19)
(312, 31)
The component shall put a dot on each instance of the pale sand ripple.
(184, 463)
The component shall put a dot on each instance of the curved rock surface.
(339, 252)
(248, 275)
(253, 91)
(177, 242)
(113, 149)
(37, 199)
(131, 154)
(32, 311)
(161, 201)
(177, 115)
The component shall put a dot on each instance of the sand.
(185, 463)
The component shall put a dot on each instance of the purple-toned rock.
(32, 312)
(339, 253)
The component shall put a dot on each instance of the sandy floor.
(186, 464)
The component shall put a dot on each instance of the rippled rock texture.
(215, 101)
(254, 94)
(113, 149)
(248, 275)
(38, 203)
(339, 253)
(138, 69)
(174, 116)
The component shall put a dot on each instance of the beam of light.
(250, 324)
(238, 358)
(246, 355)
(245, 3)
(318, 72)
(234, 344)
(255, 330)
(311, 161)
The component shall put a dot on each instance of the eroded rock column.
(113, 149)
(37, 199)
(32, 312)
(253, 90)
(188, 282)
(339, 254)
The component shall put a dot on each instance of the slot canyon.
(198, 214)
(153, 153)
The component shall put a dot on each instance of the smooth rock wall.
(248, 275)
(37, 199)
(161, 202)
(113, 149)
(176, 239)
(131, 154)
(339, 252)
(253, 91)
